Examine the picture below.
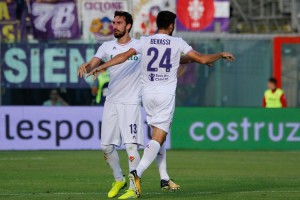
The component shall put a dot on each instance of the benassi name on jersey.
(160, 41)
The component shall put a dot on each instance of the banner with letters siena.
(44, 65)
(53, 128)
(236, 129)
(55, 20)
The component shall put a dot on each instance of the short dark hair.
(273, 80)
(165, 19)
(126, 15)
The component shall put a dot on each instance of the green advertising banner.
(236, 129)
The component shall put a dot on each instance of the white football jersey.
(125, 82)
(160, 61)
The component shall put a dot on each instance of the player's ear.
(128, 27)
(171, 28)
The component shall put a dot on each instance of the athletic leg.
(133, 157)
(159, 110)
(131, 126)
(111, 137)
(112, 158)
(151, 150)
(161, 160)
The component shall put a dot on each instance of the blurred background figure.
(274, 97)
(100, 88)
(55, 99)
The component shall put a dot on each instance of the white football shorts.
(159, 110)
(122, 124)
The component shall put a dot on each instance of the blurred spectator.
(55, 100)
(101, 88)
(274, 97)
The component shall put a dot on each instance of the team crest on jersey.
(131, 158)
(114, 48)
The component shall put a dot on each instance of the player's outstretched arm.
(118, 59)
(87, 67)
(184, 59)
(208, 59)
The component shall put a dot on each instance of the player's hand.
(95, 72)
(83, 69)
(209, 64)
(227, 56)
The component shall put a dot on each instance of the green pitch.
(44, 175)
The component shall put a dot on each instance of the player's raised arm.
(87, 67)
(184, 59)
(118, 59)
(208, 59)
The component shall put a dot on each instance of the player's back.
(160, 61)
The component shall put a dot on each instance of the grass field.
(202, 175)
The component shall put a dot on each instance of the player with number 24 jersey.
(161, 54)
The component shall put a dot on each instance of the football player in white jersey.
(160, 61)
(122, 121)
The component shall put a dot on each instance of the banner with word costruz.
(97, 17)
(203, 15)
(54, 128)
(236, 128)
(57, 20)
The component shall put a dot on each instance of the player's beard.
(119, 34)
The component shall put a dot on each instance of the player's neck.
(163, 31)
(124, 40)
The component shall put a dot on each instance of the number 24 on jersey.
(164, 62)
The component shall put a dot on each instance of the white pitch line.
(15, 159)
(150, 193)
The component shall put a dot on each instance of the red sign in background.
(195, 14)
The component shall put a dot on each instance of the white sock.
(150, 154)
(133, 157)
(112, 158)
(161, 160)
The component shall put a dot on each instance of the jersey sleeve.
(138, 46)
(185, 47)
(101, 52)
(283, 101)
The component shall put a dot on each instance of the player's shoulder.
(179, 39)
(280, 91)
(172, 38)
(268, 91)
(134, 40)
(110, 42)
